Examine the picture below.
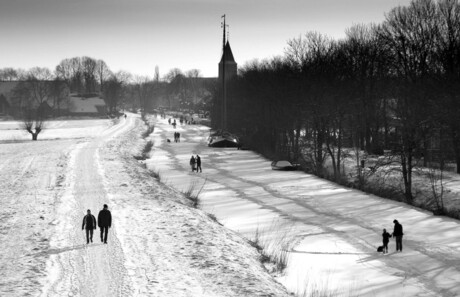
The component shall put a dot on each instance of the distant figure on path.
(198, 163)
(386, 238)
(192, 163)
(169, 121)
(175, 136)
(125, 115)
(178, 137)
(398, 234)
(89, 223)
(104, 220)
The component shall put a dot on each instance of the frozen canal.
(331, 232)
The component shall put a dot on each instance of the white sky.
(136, 35)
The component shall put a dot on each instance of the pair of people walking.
(195, 163)
(176, 137)
(104, 220)
(397, 234)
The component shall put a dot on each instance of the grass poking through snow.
(274, 244)
(193, 192)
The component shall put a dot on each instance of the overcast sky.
(136, 35)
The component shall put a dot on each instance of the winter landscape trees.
(86, 77)
(385, 87)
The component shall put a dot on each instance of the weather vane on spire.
(224, 26)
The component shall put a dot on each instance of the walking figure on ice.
(192, 163)
(89, 223)
(386, 238)
(104, 220)
(398, 234)
(198, 163)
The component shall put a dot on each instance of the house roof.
(227, 54)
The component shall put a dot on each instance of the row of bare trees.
(389, 86)
(120, 90)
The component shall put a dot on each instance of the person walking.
(89, 223)
(104, 220)
(178, 137)
(398, 234)
(198, 163)
(192, 163)
(386, 238)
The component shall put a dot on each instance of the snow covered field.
(158, 245)
(333, 231)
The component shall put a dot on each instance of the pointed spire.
(227, 54)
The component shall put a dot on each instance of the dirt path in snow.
(77, 268)
(330, 220)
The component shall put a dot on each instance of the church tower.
(227, 64)
(227, 71)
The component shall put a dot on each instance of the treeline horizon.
(86, 75)
(389, 86)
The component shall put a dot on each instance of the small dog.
(168, 140)
(380, 249)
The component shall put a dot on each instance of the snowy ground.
(333, 231)
(158, 245)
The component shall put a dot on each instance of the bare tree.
(64, 71)
(33, 122)
(89, 67)
(144, 89)
(409, 33)
(38, 85)
(447, 103)
(102, 73)
(114, 89)
(8, 74)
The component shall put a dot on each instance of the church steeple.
(227, 54)
(227, 71)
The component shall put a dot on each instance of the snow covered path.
(95, 269)
(335, 230)
(158, 245)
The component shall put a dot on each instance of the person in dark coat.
(192, 163)
(89, 223)
(198, 163)
(104, 220)
(386, 238)
(398, 234)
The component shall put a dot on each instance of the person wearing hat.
(398, 234)
(104, 220)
